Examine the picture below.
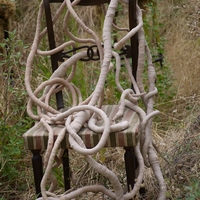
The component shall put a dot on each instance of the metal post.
(130, 166)
(134, 39)
(55, 57)
(130, 158)
(37, 170)
(59, 97)
(131, 163)
(66, 169)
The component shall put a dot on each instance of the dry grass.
(180, 142)
(182, 49)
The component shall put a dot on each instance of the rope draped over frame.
(86, 111)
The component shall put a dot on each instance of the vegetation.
(176, 131)
(13, 118)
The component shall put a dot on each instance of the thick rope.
(87, 111)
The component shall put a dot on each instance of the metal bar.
(134, 39)
(130, 159)
(37, 170)
(66, 169)
(55, 57)
(59, 97)
(131, 163)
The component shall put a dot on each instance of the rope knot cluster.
(87, 111)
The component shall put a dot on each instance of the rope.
(86, 112)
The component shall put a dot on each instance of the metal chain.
(93, 52)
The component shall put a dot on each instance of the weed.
(152, 28)
(193, 192)
(13, 121)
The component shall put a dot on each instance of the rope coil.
(83, 112)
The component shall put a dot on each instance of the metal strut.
(55, 57)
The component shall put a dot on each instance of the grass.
(182, 49)
(176, 131)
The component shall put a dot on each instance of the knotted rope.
(88, 110)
